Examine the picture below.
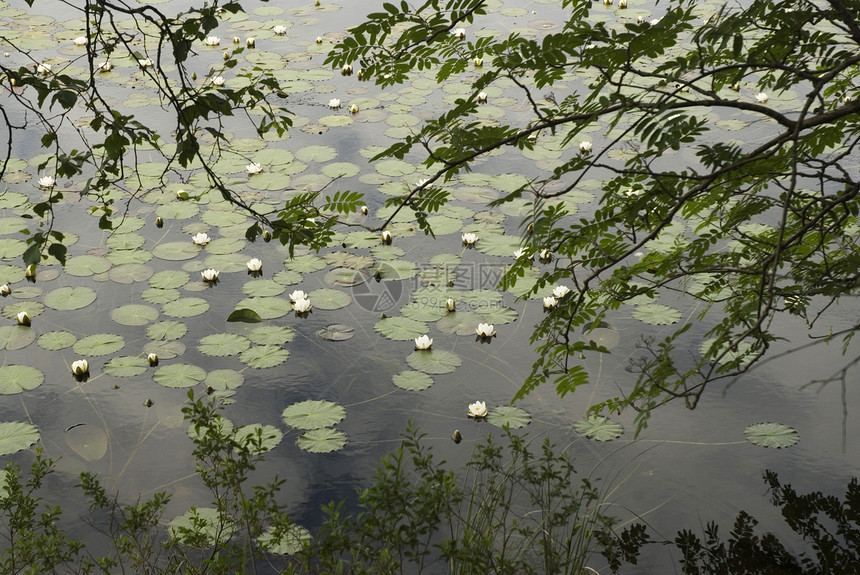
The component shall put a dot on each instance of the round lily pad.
(185, 307)
(99, 344)
(17, 378)
(176, 251)
(400, 328)
(460, 322)
(16, 337)
(508, 415)
(90, 442)
(288, 543)
(126, 366)
(134, 314)
(200, 524)
(179, 375)
(224, 379)
(336, 332)
(86, 265)
(267, 307)
(433, 361)
(262, 288)
(271, 334)
(130, 273)
(412, 380)
(769, 434)
(327, 298)
(259, 438)
(305, 264)
(56, 340)
(169, 279)
(223, 344)
(599, 428)
(323, 440)
(70, 298)
(263, 356)
(313, 414)
(166, 330)
(656, 314)
(16, 436)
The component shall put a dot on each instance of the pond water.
(686, 468)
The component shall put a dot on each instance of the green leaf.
(263, 356)
(223, 344)
(510, 416)
(599, 428)
(773, 435)
(323, 440)
(18, 378)
(245, 315)
(412, 380)
(313, 414)
(433, 361)
(179, 375)
(99, 344)
(16, 436)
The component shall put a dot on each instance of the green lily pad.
(305, 264)
(165, 349)
(361, 240)
(263, 288)
(223, 344)
(126, 366)
(494, 244)
(323, 440)
(263, 356)
(70, 298)
(394, 168)
(508, 415)
(313, 414)
(159, 296)
(743, 355)
(179, 375)
(326, 298)
(271, 335)
(288, 277)
(394, 270)
(169, 279)
(599, 428)
(656, 314)
(316, 154)
(166, 330)
(17, 378)
(245, 315)
(259, 438)
(224, 379)
(134, 314)
(90, 442)
(400, 328)
(412, 380)
(130, 273)
(200, 524)
(336, 332)
(266, 307)
(99, 344)
(56, 340)
(423, 313)
(16, 337)
(186, 307)
(460, 322)
(773, 435)
(288, 543)
(86, 265)
(176, 251)
(433, 361)
(16, 436)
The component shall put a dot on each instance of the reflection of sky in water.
(688, 466)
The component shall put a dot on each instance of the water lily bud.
(148, 403)
(478, 62)
(153, 359)
(30, 272)
(80, 367)
(5, 290)
(193, 75)
(482, 97)
(236, 39)
(622, 3)
(267, 236)
(364, 210)
(353, 109)
(346, 70)
(210, 390)
(450, 304)
(319, 39)
(316, 2)
(359, 75)
(386, 237)
(159, 222)
(736, 86)
(457, 436)
(251, 42)
(182, 195)
(23, 318)
(226, 56)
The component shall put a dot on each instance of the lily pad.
(327, 298)
(223, 344)
(460, 322)
(90, 442)
(400, 328)
(773, 435)
(412, 380)
(433, 361)
(313, 414)
(263, 356)
(99, 344)
(169, 279)
(186, 307)
(17, 378)
(86, 265)
(323, 440)
(305, 264)
(126, 366)
(599, 428)
(224, 379)
(263, 288)
(16, 337)
(288, 543)
(166, 330)
(508, 415)
(656, 314)
(271, 335)
(134, 314)
(179, 375)
(200, 524)
(266, 307)
(56, 340)
(70, 298)
(336, 332)
(16, 436)
(259, 438)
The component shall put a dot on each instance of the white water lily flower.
(634, 193)
(640, 19)
(212, 40)
(450, 304)
(201, 239)
(209, 275)
(485, 330)
(254, 265)
(254, 168)
(761, 98)
(319, 39)
(152, 359)
(105, 66)
(46, 182)
(422, 182)
(469, 238)
(23, 318)
(145, 63)
(80, 367)
(334, 103)
(302, 305)
(250, 42)
(482, 97)
(80, 41)
(386, 237)
(297, 295)
(43, 69)
(585, 146)
(423, 342)
(545, 254)
(218, 81)
(5, 290)
(549, 302)
(520, 253)
(478, 409)
(364, 210)
(560, 291)
(280, 29)
(459, 33)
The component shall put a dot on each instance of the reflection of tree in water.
(829, 526)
